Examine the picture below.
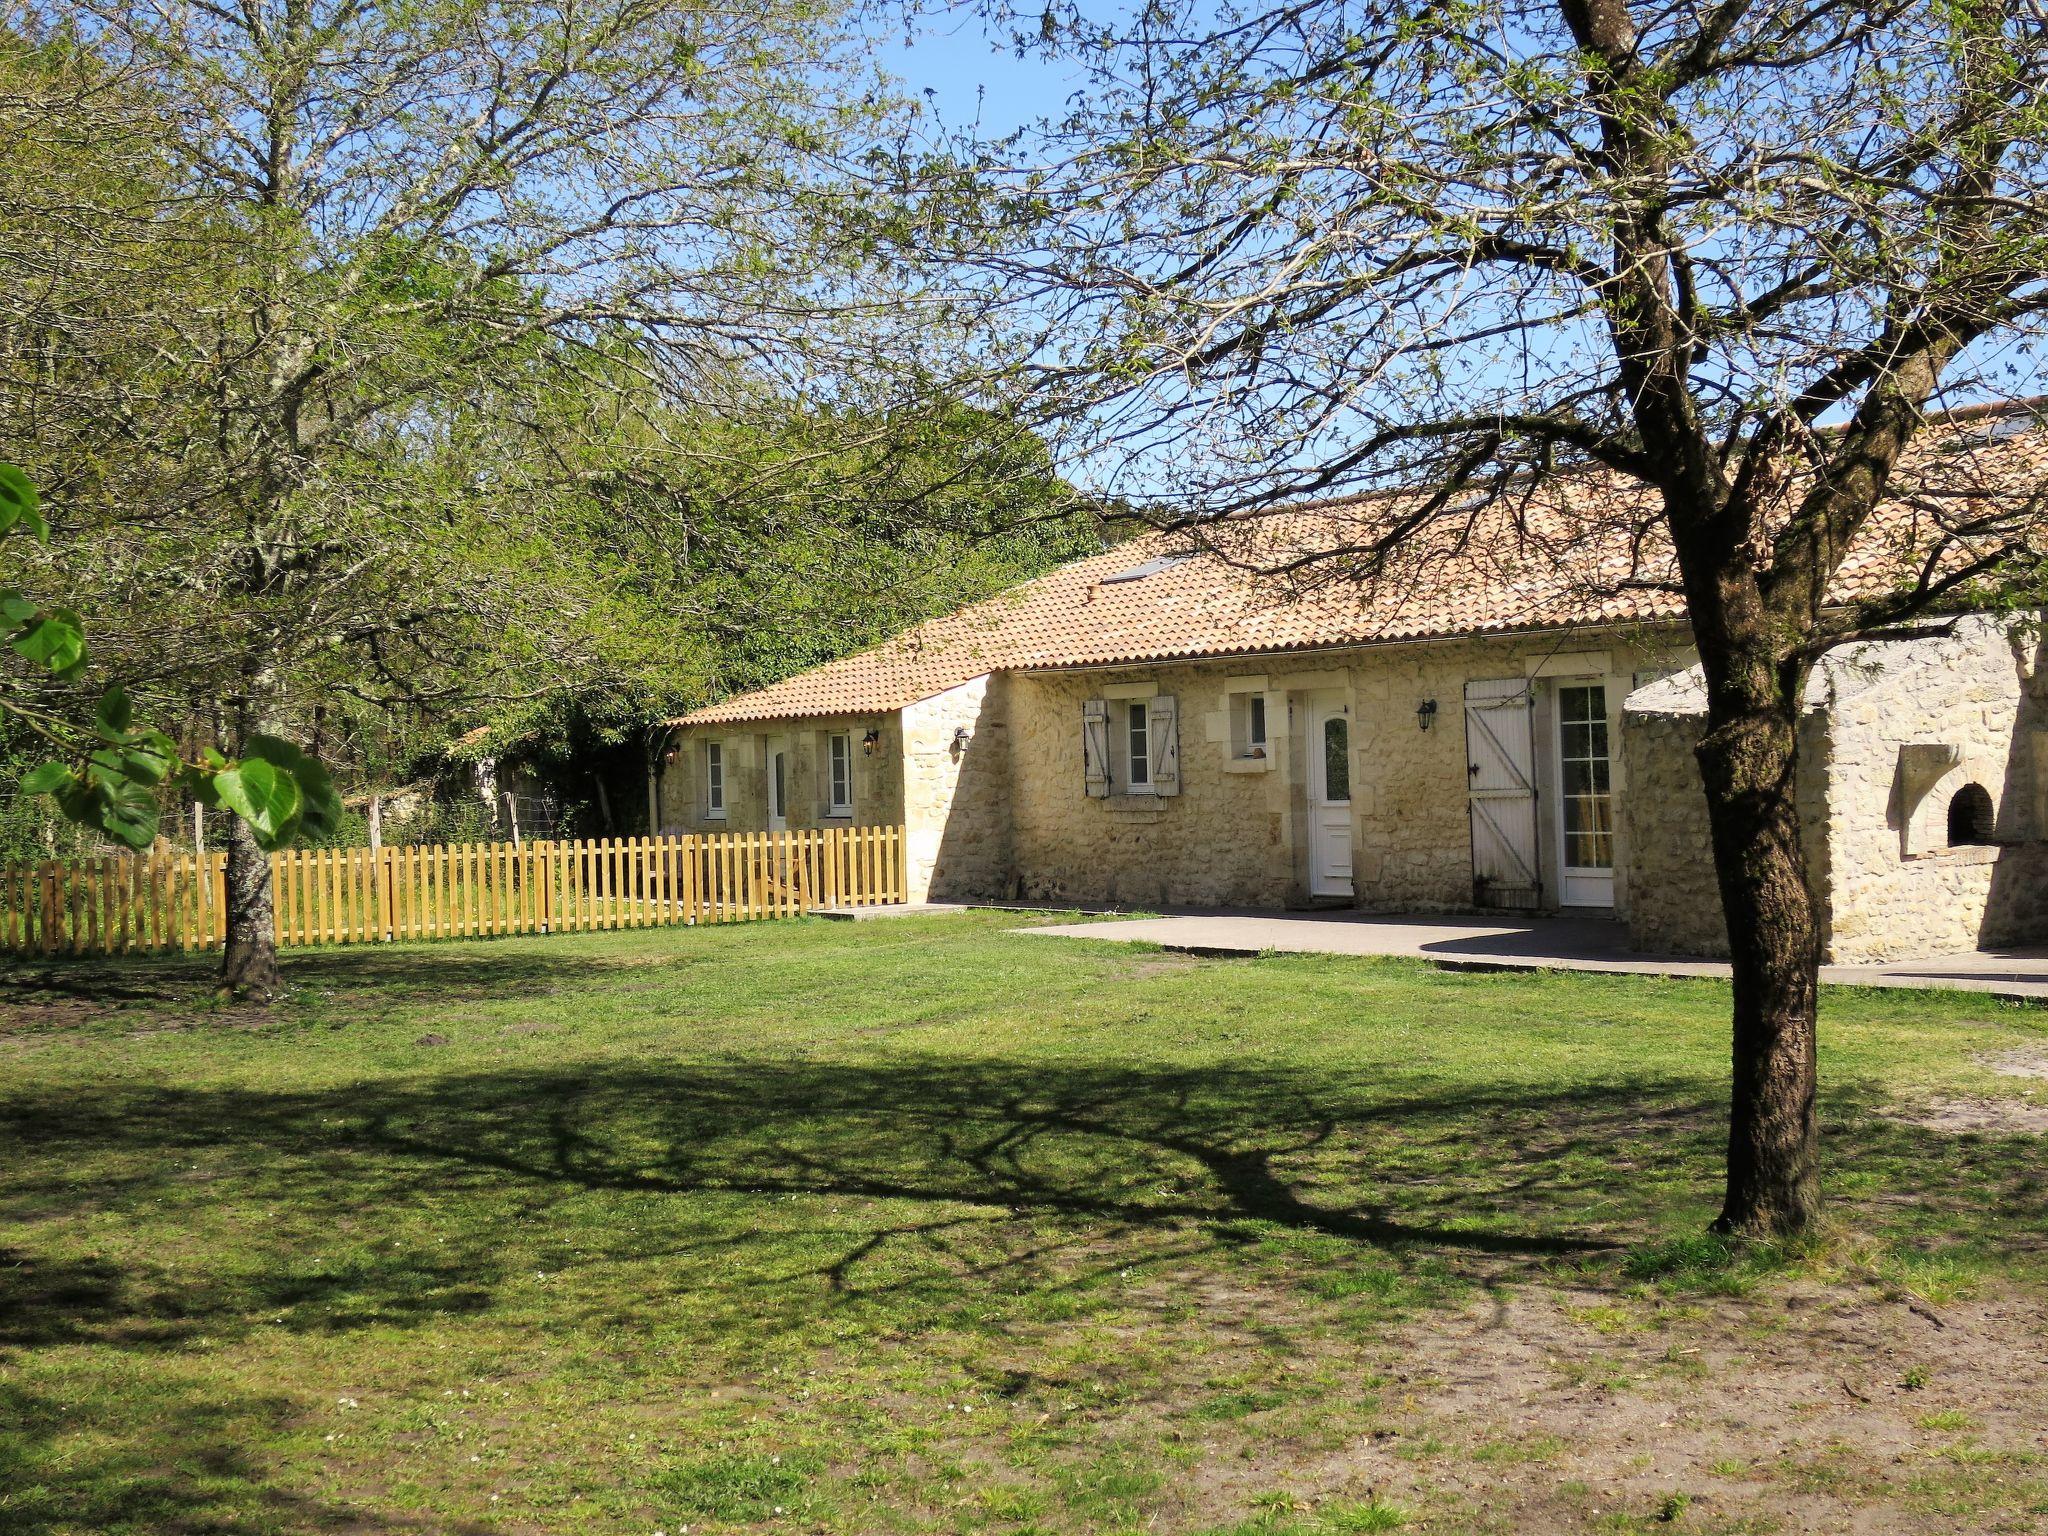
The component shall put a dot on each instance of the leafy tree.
(109, 773)
(344, 341)
(1723, 257)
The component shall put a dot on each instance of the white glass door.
(1585, 797)
(1329, 794)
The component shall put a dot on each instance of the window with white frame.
(714, 779)
(839, 766)
(1138, 746)
(1248, 725)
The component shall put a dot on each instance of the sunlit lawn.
(905, 1225)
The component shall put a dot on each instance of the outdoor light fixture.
(1425, 714)
(869, 742)
(960, 739)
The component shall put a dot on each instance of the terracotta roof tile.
(1582, 551)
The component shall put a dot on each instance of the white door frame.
(778, 784)
(1329, 821)
(1577, 887)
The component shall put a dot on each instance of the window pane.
(1140, 757)
(1585, 778)
(1256, 736)
(1336, 758)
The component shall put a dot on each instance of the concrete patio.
(1509, 943)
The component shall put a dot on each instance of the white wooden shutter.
(1500, 765)
(1095, 746)
(1165, 741)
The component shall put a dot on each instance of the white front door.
(1500, 780)
(1329, 795)
(778, 785)
(1585, 797)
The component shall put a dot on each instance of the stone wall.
(877, 777)
(956, 794)
(1666, 887)
(1223, 840)
(1875, 833)
(1897, 889)
(1236, 834)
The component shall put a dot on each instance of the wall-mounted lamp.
(960, 739)
(1425, 714)
(869, 742)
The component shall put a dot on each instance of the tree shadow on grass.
(373, 976)
(67, 1465)
(740, 1200)
(776, 1191)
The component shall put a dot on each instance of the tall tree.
(381, 223)
(1732, 253)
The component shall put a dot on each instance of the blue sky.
(971, 76)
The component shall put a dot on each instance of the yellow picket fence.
(119, 903)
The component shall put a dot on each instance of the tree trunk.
(249, 965)
(1748, 760)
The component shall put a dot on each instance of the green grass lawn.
(923, 1225)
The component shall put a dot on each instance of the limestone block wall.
(1666, 887)
(956, 793)
(1889, 884)
(1223, 840)
(877, 777)
(1897, 890)
(1236, 835)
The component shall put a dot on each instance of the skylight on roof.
(1997, 430)
(1150, 568)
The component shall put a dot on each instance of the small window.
(1138, 761)
(1337, 760)
(714, 778)
(841, 762)
(1970, 817)
(1248, 725)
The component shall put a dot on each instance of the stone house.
(1502, 719)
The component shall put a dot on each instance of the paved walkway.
(1525, 944)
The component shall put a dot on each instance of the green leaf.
(264, 795)
(56, 639)
(274, 750)
(15, 610)
(115, 715)
(146, 765)
(322, 813)
(202, 784)
(19, 503)
(106, 769)
(46, 780)
(128, 813)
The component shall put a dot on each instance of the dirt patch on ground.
(1826, 1411)
(1984, 1117)
(1168, 962)
(2029, 1061)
